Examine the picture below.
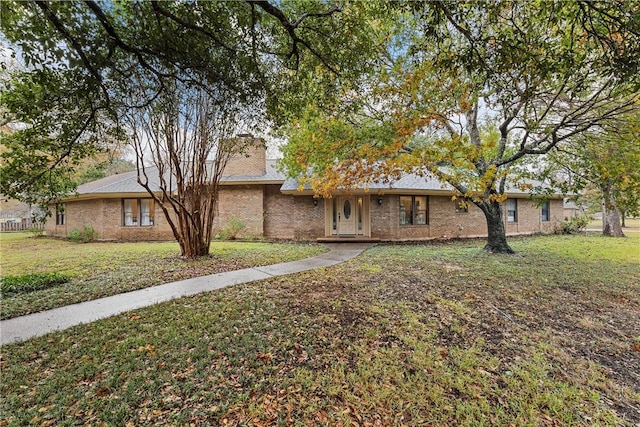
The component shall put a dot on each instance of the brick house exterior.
(271, 206)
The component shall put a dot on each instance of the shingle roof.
(128, 182)
(122, 183)
(409, 182)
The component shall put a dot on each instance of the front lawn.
(632, 224)
(434, 334)
(102, 269)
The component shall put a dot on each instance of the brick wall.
(308, 219)
(530, 218)
(278, 213)
(556, 215)
(244, 202)
(384, 217)
(267, 212)
(445, 222)
(105, 217)
(251, 162)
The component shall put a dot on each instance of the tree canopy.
(84, 58)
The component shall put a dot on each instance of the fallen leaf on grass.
(149, 348)
(265, 357)
(103, 391)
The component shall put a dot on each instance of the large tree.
(467, 91)
(91, 64)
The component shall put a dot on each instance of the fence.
(25, 224)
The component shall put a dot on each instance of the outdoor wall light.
(315, 201)
(380, 200)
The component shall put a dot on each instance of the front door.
(347, 215)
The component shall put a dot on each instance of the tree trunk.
(192, 244)
(611, 224)
(622, 217)
(195, 218)
(497, 237)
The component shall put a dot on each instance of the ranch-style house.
(272, 206)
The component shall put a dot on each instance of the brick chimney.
(251, 161)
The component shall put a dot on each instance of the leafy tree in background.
(487, 83)
(40, 157)
(467, 92)
(606, 158)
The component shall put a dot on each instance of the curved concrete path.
(22, 328)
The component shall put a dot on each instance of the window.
(60, 214)
(146, 212)
(335, 214)
(413, 210)
(462, 206)
(137, 212)
(512, 210)
(545, 211)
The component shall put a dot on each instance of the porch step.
(348, 239)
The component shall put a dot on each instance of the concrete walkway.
(22, 328)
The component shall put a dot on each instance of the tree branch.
(156, 7)
(51, 16)
(291, 28)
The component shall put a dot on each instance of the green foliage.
(86, 59)
(85, 235)
(12, 285)
(36, 230)
(574, 225)
(231, 230)
(60, 126)
(605, 160)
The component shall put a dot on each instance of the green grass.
(25, 283)
(434, 334)
(101, 269)
(632, 224)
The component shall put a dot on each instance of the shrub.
(573, 225)
(232, 229)
(25, 283)
(86, 235)
(36, 231)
